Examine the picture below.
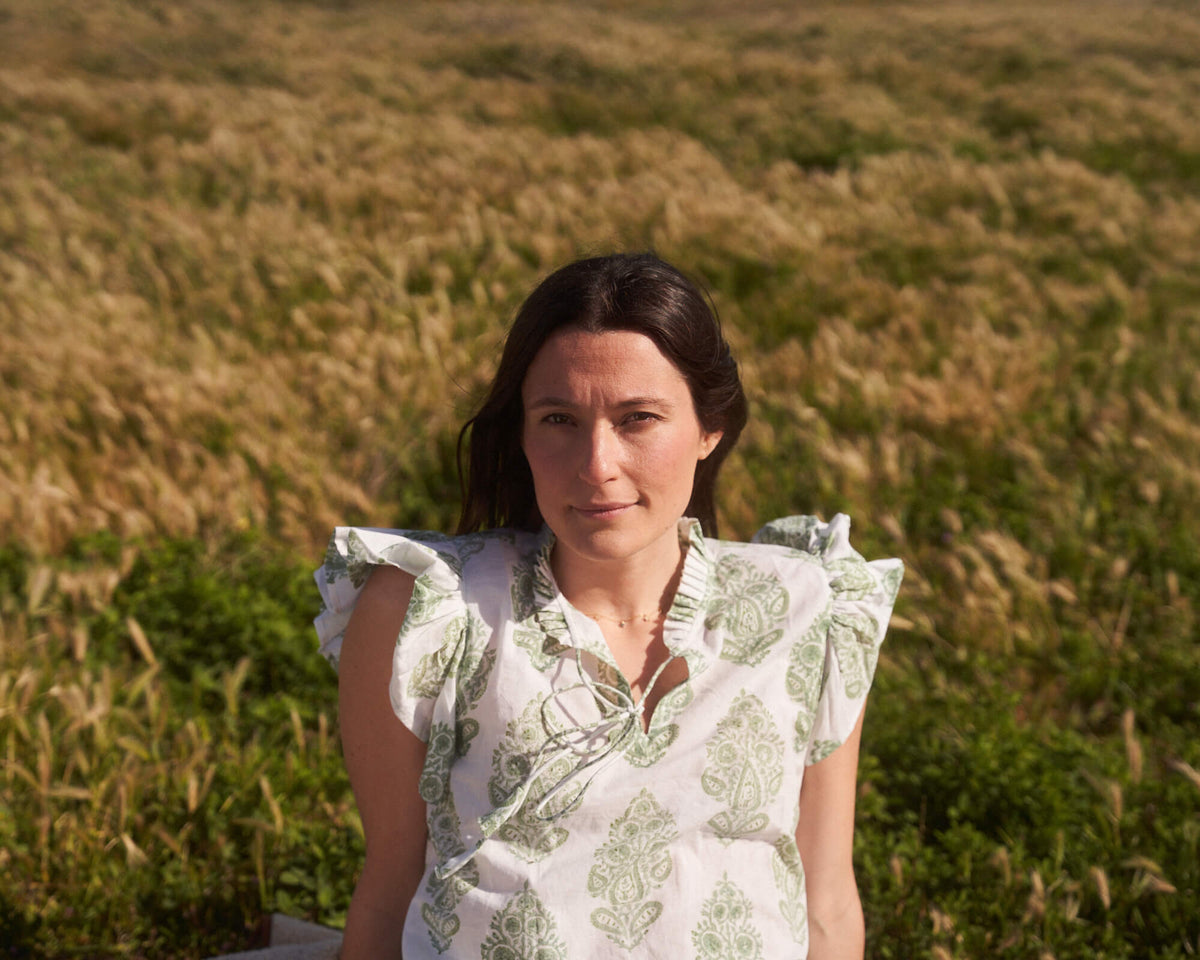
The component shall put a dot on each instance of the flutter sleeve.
(433, 626)
(862, 594)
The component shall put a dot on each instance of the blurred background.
(256, 261)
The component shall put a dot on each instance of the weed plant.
(256, 260)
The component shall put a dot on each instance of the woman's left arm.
(825, 838)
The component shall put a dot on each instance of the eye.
(642, 416)
(556, 418)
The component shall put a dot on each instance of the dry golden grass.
(211, 287)
(267, 299)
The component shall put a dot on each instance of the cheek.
(672, 463)
(686, 447)
(542, 464)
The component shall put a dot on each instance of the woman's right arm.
(384, 760)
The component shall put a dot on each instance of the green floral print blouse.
(557, 826)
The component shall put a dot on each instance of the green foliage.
(208, 608)
(14, 565)
(18, 931)
(189, 777)
(1012, 837)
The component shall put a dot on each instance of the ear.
(708, 443)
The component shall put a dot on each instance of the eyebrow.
(624, 404)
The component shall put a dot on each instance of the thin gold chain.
(651, 617)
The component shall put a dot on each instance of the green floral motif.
(641, 748)
(524, 594)
(892, 579)
(805, 672)
(725, 931)
(473, 683)
(469, 545)
(634, 860)
(853, 638)
(850, 578)
(358, 560)
(440, 751)
(803, 534)
(531, 588)
(433, 669)
(750, 606)
(425, 602)
(335, 565)
(543, 652)
(821, 749)
(645, 749)
(789, 878)
(522, 929)
(529, 834)
(465, 547)
(464, 656)
(533, 594)
(445, 833)
(441, 914)
(610, 675)
(744, 769)
(355, 563)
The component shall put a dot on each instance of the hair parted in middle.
(636, 292)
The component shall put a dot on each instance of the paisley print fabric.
(523, 928)
(531, 833)
(629, 867)
(750, 606)
(558, 827)
(744, 769)
(726, 929)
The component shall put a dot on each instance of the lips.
(600, 511)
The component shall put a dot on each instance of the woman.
(580, 727)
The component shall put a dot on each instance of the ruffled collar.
(557, 617)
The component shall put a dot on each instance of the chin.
(615, 541)
(602, 545)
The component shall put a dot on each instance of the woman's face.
(612, 440)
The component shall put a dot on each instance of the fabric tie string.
(594, 745)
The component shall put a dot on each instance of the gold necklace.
(652, 617)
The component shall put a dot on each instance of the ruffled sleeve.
(854, 624)
(436, 611)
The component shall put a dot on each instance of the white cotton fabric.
(557, 827)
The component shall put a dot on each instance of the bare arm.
(825, 838)
(384, 759)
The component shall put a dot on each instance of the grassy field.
(256, 259)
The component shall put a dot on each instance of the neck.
(622, 589)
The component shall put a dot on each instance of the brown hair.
(637, 292)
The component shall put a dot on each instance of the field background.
(256, 259)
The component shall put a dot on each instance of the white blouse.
(558, 827)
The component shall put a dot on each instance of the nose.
(599, 455)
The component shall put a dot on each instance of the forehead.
(576, 360)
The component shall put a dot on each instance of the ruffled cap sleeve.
(352, 554)
(862, 596)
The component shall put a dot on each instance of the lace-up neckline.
(594, 744)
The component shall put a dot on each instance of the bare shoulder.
(372, 631)
(384, 600)
(388, 582)
(372, 735)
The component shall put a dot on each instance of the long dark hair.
(637, 292)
